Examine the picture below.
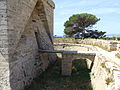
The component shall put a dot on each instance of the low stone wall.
(109, 45)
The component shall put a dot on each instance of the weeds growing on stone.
(104, 66)
(118, 55)
(109, 80)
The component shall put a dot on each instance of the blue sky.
(107, 10)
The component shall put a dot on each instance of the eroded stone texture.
(22, 32)
(4, 76)
(105, 74)
(3, 30)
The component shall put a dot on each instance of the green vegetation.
(118, 38)
(53, 80)
(104, 66)
(109, 80)
(115, 38)
(80, 25)
(118, 55)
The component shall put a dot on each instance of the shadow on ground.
(53, 80)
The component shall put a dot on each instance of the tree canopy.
(78, 25)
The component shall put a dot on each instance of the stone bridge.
(69, 56)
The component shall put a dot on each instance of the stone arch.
(69, 57)
(79, 64)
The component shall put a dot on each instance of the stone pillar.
(66, 64)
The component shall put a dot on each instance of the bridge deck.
(69, 52)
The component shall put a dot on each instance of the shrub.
(109, 80)
(118, 55)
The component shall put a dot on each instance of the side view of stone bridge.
(105, 71)
(69, 56)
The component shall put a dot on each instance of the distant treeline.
(106, 38)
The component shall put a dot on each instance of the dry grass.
(53, 80)
(100, 46)
(118, 55)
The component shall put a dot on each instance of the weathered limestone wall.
(107, 44)
(22, 31)
(50, 14)
(3, 30)
(4, 65)
(19, 12)
(105, 73)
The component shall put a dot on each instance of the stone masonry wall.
(4, 65)
(107, 44)
(19, 12)
(20, 61)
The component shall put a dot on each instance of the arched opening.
(81, 70)
(79, 65)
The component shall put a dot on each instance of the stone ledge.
(67, 52)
